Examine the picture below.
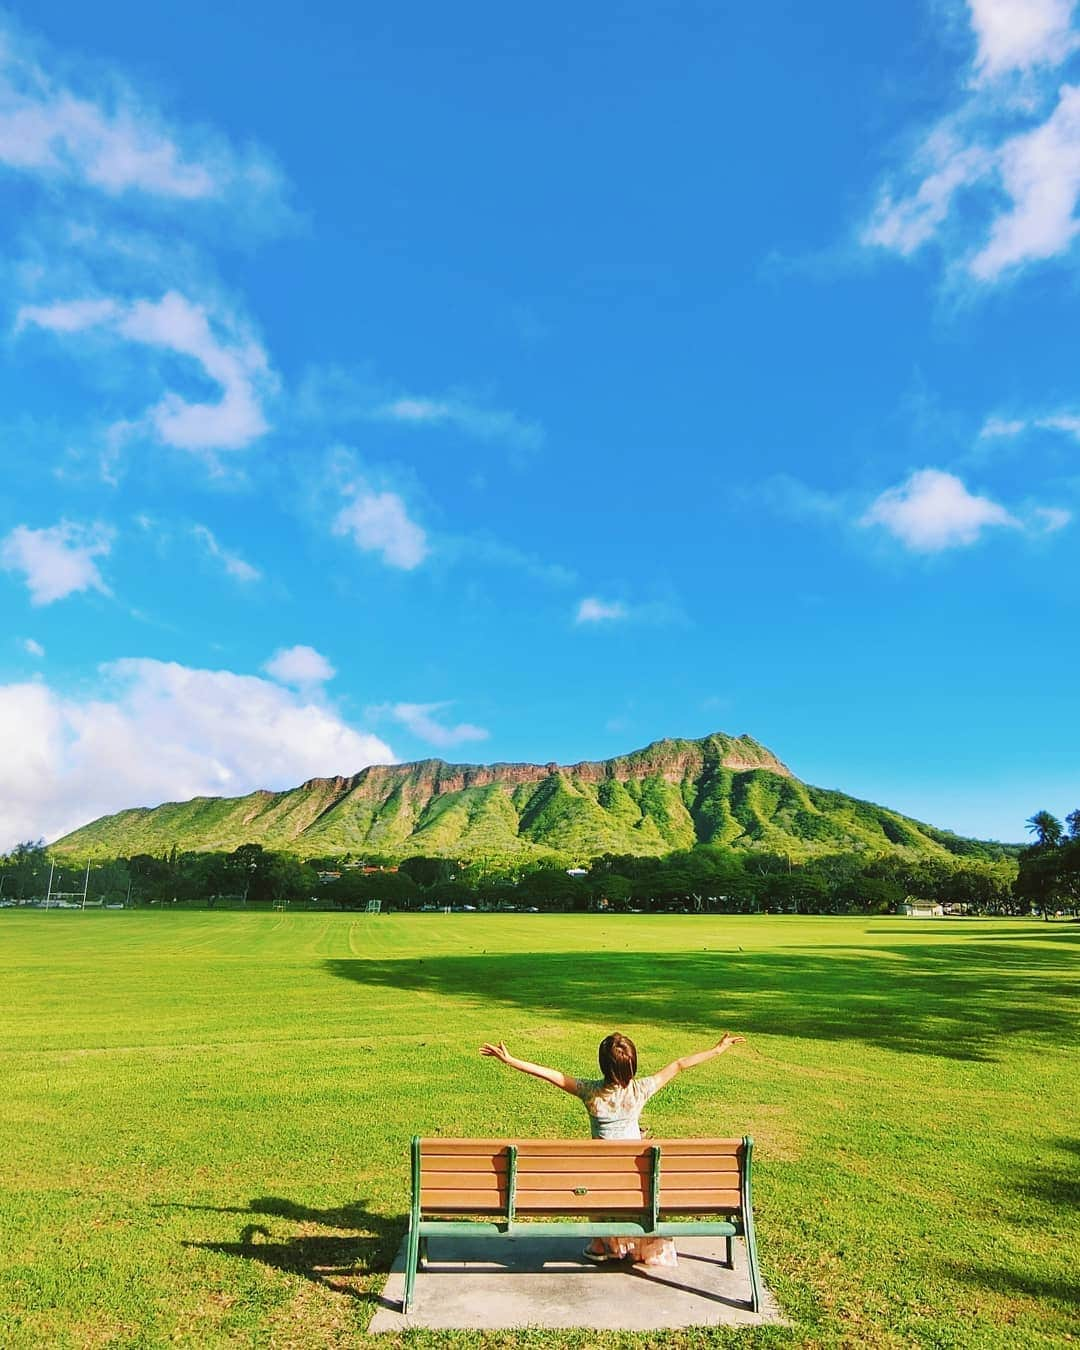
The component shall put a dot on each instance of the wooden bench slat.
(497, 1164)
(448, 1148)
(480, 1162)
(627, 1179)
(562, 1200)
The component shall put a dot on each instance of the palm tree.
(1046, 828)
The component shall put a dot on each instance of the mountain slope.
(670, 795)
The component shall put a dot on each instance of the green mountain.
(671, 795)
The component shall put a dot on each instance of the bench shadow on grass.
(335, 1262)
(953, 1000)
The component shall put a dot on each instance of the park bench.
(585, 1187)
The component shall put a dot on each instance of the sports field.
(205, 1116)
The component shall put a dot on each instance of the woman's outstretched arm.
(668, 1072)
(553, 1076)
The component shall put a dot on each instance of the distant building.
(922, 909)
(577, 872)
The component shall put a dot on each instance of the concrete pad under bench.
(522, 1281)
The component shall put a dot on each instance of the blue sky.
(530, 385)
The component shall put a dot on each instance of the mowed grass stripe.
(206, 1115)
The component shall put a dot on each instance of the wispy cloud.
(235, 566)
(1008, 428)
(95, 132)
(335, 396)
(33, 648)
(482, 549)
(379, 522)
(790, 496)
(420, 719)
(594, 610)
(1008, 153)
(58, 561)
(484, 423)
(301, 666)
(220, 345)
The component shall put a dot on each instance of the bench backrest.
(580, 1176)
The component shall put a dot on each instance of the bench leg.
(729, 1253)
(751, 1261)
(423, 1253)
(412, 1252)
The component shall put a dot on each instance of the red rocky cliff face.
(672, 760)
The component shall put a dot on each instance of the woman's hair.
(618, 1058)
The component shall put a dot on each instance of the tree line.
(1048, 876)
(707, 878)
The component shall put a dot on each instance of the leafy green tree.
(24, 872)
(452, 893)
(428, 871)
(550, 889)
(354, 889)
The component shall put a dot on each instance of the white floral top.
(614, 1110)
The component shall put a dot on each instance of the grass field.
(205, 1116)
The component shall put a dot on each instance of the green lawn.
(206, 1115)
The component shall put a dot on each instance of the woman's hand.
(727, 1040)
(498, 1052)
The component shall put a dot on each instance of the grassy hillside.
(672, 794)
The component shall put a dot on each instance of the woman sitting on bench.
(614, 1104)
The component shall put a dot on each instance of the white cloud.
(1040, 172)
(234, 565)
(995, 427)
(487, 424)
(945, 166)
(594, 610)
(335, 395)
(1017, 35)
(1010, 148)
(1002, 428)
(302, 666)
(1069, 423)
(106, 138)
(158, 731)
(1052, 518)
(933, 510)
(220, 345)
(33, 648)
(379, 523)
(419, 718)
(58, 561)
(67, 316)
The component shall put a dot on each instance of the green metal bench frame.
(739, 1223)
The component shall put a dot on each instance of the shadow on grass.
(1065, 1291)
(954, 999)
(1035, 930)
(1058, 1188)
(337, 1263)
